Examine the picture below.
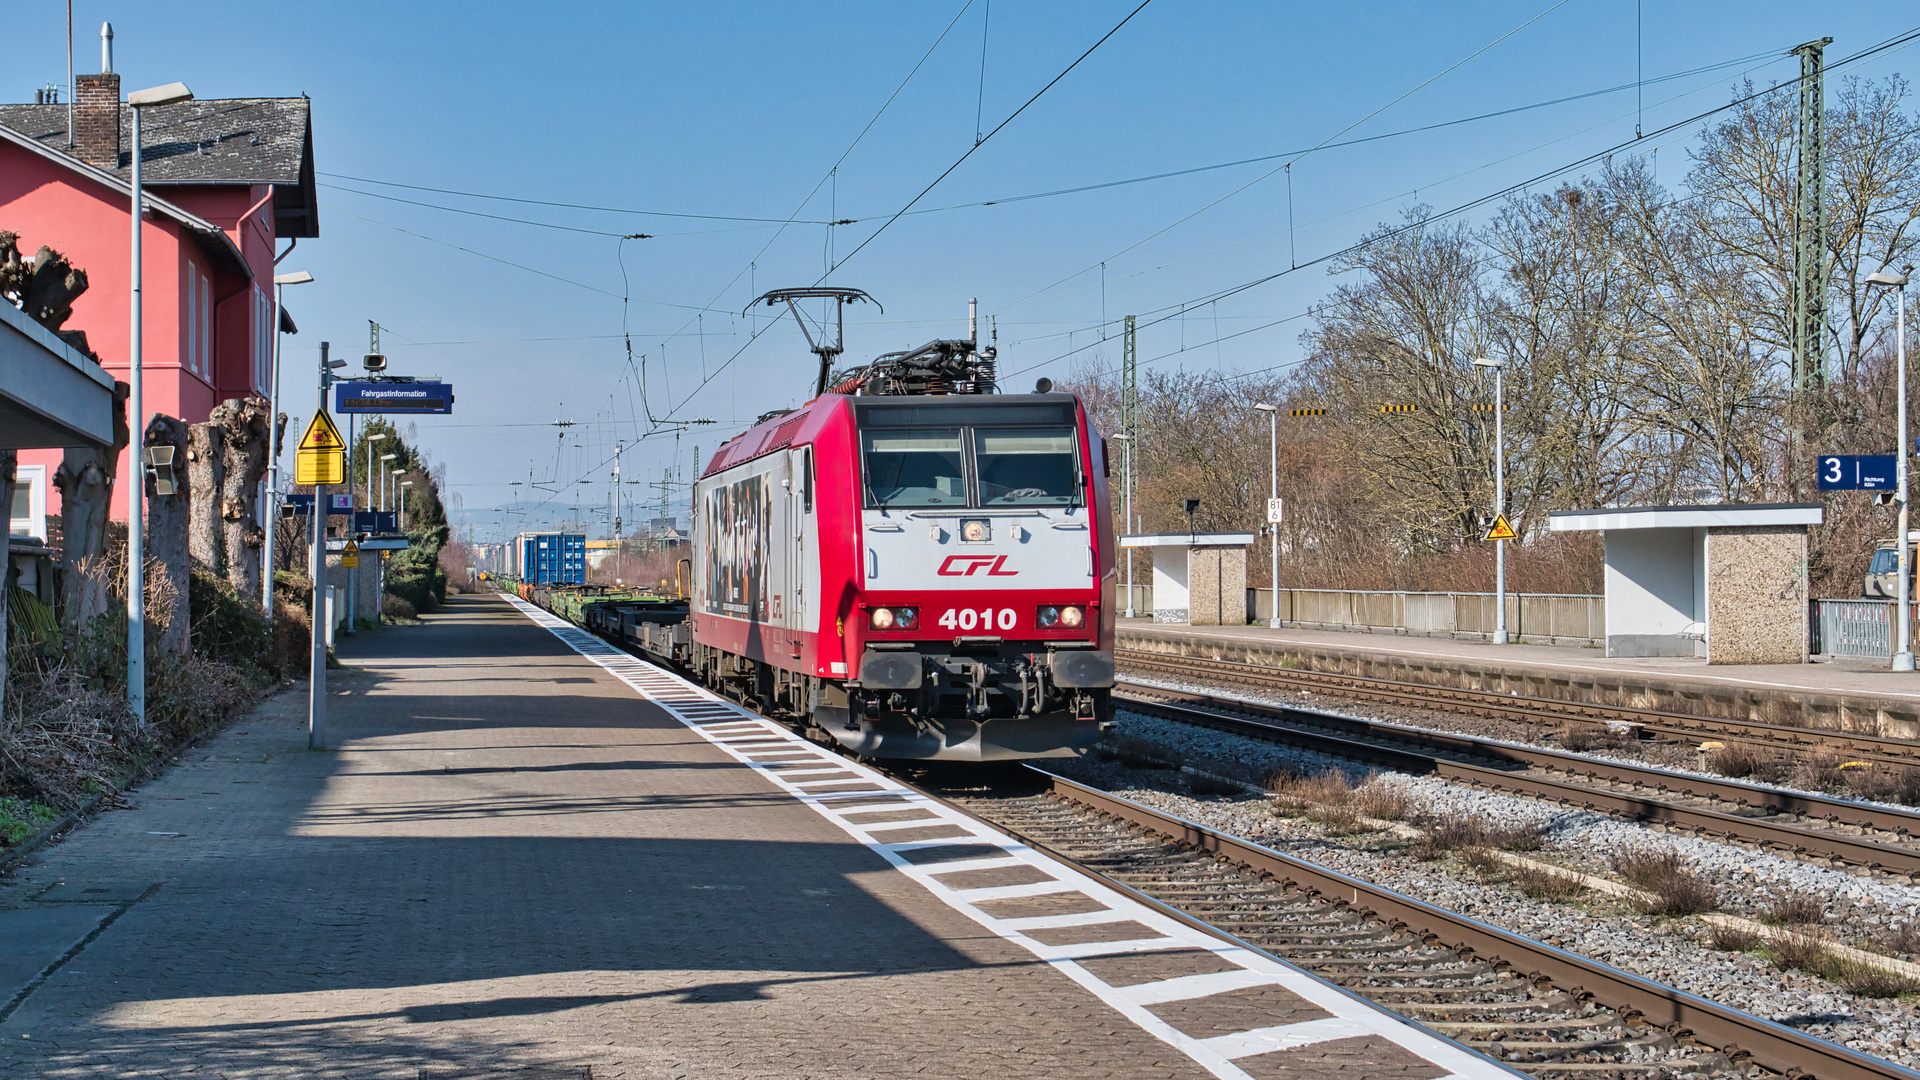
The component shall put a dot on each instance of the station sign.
(1857, 472)
(376, 521)
(417, 398)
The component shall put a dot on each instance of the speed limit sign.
(1273, 511)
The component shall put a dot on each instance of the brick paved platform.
(514, 860)
(1850, 696)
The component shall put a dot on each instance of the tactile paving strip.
(971, 865)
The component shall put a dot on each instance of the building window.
(193, 319)
(28, 515)
(262, 341)
(206, 328)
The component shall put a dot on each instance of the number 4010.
(980, 619)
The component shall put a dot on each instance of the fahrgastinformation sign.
(393, 397)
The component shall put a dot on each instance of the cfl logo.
(968, 565)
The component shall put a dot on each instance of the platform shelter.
(1199, 579)
(1727, 582)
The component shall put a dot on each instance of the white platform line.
(1350, 1015)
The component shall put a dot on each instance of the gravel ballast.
(1661, 949)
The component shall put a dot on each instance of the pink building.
(226, 181)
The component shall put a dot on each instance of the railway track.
(1804, 826)
(1540, 1009)
(1536, 711)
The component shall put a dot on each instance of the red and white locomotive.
(913, 565)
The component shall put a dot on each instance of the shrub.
(1741, 761)
(1806, 952)
(1868, 981)
(1885, 783)
(1900, 938)
(1383, 799)
(1675, 888)
(1581, 738)
(393, 607)
(228, 627)
(20, 819)
(1450, 832)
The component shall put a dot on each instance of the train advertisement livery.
(738, 518)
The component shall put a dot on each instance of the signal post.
(320, 460)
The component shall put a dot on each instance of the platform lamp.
(384, 458)
(139, 100)
(280, 283)
(393, 491)
(1903, 649)
(1190, 505)
(1273, 495)
(404, 485)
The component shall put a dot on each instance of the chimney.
(96, 136)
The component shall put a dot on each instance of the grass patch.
(1794, 908)
(1732, 939)
(21, 820)
(1901, 939)
(1543, 884)
(1384, 800)
(1675, 887)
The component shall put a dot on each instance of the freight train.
(911, 564)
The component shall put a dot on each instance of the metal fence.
(1542, 618)
(1853, 629)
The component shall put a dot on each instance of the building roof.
(222, 141)
(212, 238)
(1717, 515)
(1148, 540)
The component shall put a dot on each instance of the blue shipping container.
(553, 558)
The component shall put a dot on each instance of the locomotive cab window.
(1025, 466)
(914, 468)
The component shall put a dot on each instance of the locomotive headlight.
(1072, 616)
(881, 618)
(893, 618)
(975, 531)
(1049, 616)
(1062, 616)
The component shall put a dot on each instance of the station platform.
(1846, 696)
(532, 855)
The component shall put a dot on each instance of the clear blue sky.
(740, 110)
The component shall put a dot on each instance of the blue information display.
(1857, 472)
(392, 397)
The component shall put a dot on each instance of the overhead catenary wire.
(1898, 41)
(982, 141)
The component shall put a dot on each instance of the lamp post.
(384, 480)
(404, 485)
(280, 283)
(137, 423)
(393, 487)
(1126, 484)
(1903, 612)
(1499, 495)
(1273, 493)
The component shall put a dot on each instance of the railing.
(1541, 618)
(1853, 629)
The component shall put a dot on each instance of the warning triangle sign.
(322, 435)
(1501, 529)
(322, 455)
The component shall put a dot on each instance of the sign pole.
(320, 460)
(1903, 656)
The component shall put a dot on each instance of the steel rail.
(1733, 1032)
(1755, 797)
(1766, 833)
(1531, 710)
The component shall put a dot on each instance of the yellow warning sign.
(322, 456)
(350, 558)
(1501, 530)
